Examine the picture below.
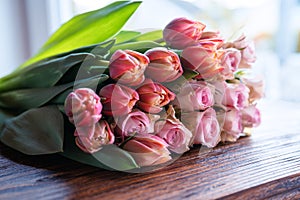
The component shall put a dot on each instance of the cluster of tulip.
(152, 108)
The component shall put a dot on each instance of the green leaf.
(4, 115)
(125, 36)
(30, 98)
(87, 29)
(141, 46)
(109, 157)
(155, 36)
(101, 50)
(44, 74)
(36, 131)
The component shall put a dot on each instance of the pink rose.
(251, 116)
(176, 135)
(182, 32)
(203, 60)
(196, 95)
(91, 143)
(247, 49)
(153, 96)
(148, 150)
(232, 127)
(127, 67)
(117, 99)
(204, 127)
(134, 123)
(164, 65)
(230, 60)
(236, 96)
(83, 107)
(256, 87)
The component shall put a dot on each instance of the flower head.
(91, 143)
(175, 134)
(118, 99)
(148, 150)
(164, 65)
(83, 107)
(153, 96)
(195, 95)
(203, 60)
(127, 67)
(182, 32)
(204, 127)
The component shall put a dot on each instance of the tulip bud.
(127, 67)
(164, 65)
(148, 150)
(256, 87)
(153, 96)
(196, 95)
(203, 60)
(247, 49)
(236, 96)
(204, 127)
(117, 99)
(230, 60)
(232, 127)
(251, 116)
(134, 123)
(83, 107)
(102, 135)
(211, 40)
(182, 32)
(175, 134)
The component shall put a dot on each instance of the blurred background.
(272, 24)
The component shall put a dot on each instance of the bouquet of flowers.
(125, 100)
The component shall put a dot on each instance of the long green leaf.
(109, 157)
(35, 132)
(44, 74)
(140, 46)
(87, 29)
(5, 115)
(155, 36)
(35, 97)
(124, 36)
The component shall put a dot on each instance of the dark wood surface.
(265, 165)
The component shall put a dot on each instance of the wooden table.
(266, 165)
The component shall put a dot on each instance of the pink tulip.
(247, 49)
(204, 127)
(211, 40)
(102, 135)
(230, 60)
(134, 123)
(251, 116)
(232, 127)
(164, 65)
(182, 32)
(127, 67)
(203, 60)
(256, 87)
(148, 150)
(153, 96)
(117, 99)
(236, 96)
(196, 95)
(175, 134)
(83, 107)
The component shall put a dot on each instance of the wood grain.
(266, 165)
